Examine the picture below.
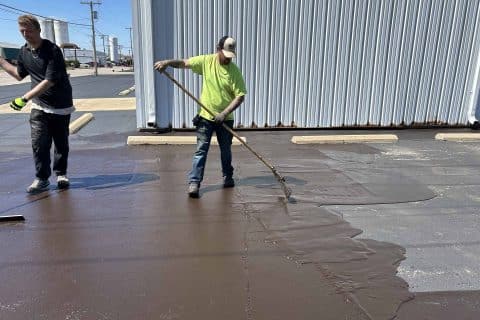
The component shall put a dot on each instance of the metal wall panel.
(319, 63)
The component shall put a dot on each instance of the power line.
(39, 15)
(7, 19)
(8, 11)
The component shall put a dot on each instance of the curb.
(458, 137)
(361, 138)
(78, 124)
(172, 140)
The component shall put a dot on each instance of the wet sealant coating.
(125, 242)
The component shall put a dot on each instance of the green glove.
(18, 103)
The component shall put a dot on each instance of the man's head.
(226, 48)
(29, 28)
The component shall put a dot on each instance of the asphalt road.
(102, 86)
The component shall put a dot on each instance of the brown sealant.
(126, 242)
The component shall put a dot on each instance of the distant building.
(84, 56)
(47, 31)
(9, 50)
(114, 56)
(54, 30)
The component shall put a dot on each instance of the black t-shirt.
(46, 63)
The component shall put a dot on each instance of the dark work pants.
(45, 128)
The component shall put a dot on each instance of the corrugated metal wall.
(329, 63)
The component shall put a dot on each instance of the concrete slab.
(79, 123)
(97, 104)
(459, 137)
(358, 138)
(105, 104)
(440, 235)
(172, 140)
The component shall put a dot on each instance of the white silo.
(113, 41)
(61, 32)
(47, 32)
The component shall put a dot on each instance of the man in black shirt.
(51, 101)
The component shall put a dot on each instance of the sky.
(114, 16)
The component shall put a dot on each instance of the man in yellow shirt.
(223, 91)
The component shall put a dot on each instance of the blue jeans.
(205, 130)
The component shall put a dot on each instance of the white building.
(113, 47)
(84, 56)
(61, 32)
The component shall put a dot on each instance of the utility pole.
(91, 3)
(120, 47)
(131, 47)
(103, 36)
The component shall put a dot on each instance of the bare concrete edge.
(105, 104)
(360, 138)
(458, 137)
(171, 140)
(82, 121)
(86, 105)
(127, 91)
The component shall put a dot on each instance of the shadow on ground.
(105, 181)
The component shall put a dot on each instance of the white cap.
(228, 45)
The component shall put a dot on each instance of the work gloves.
(219, 118)
(18, 103)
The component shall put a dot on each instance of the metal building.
(9, 51)
(84, 56)
(61, 32)
(317, 63)
(113, 47)
(47, 29)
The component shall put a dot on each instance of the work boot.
(63, 182)
(193, 189)
(38, 185)
(228, 182)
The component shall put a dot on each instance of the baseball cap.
(228, 45)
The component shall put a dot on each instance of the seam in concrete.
(78, 124)
(172, 140)
(458, 137)
(352, 138)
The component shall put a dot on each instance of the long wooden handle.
(279, 177)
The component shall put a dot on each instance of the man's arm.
(38, 89)
(174, 63)
(219, 118)
(10, 69)
(18, 103)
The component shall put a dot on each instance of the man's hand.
(219, 118)
(161, 65)
(18, 103)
